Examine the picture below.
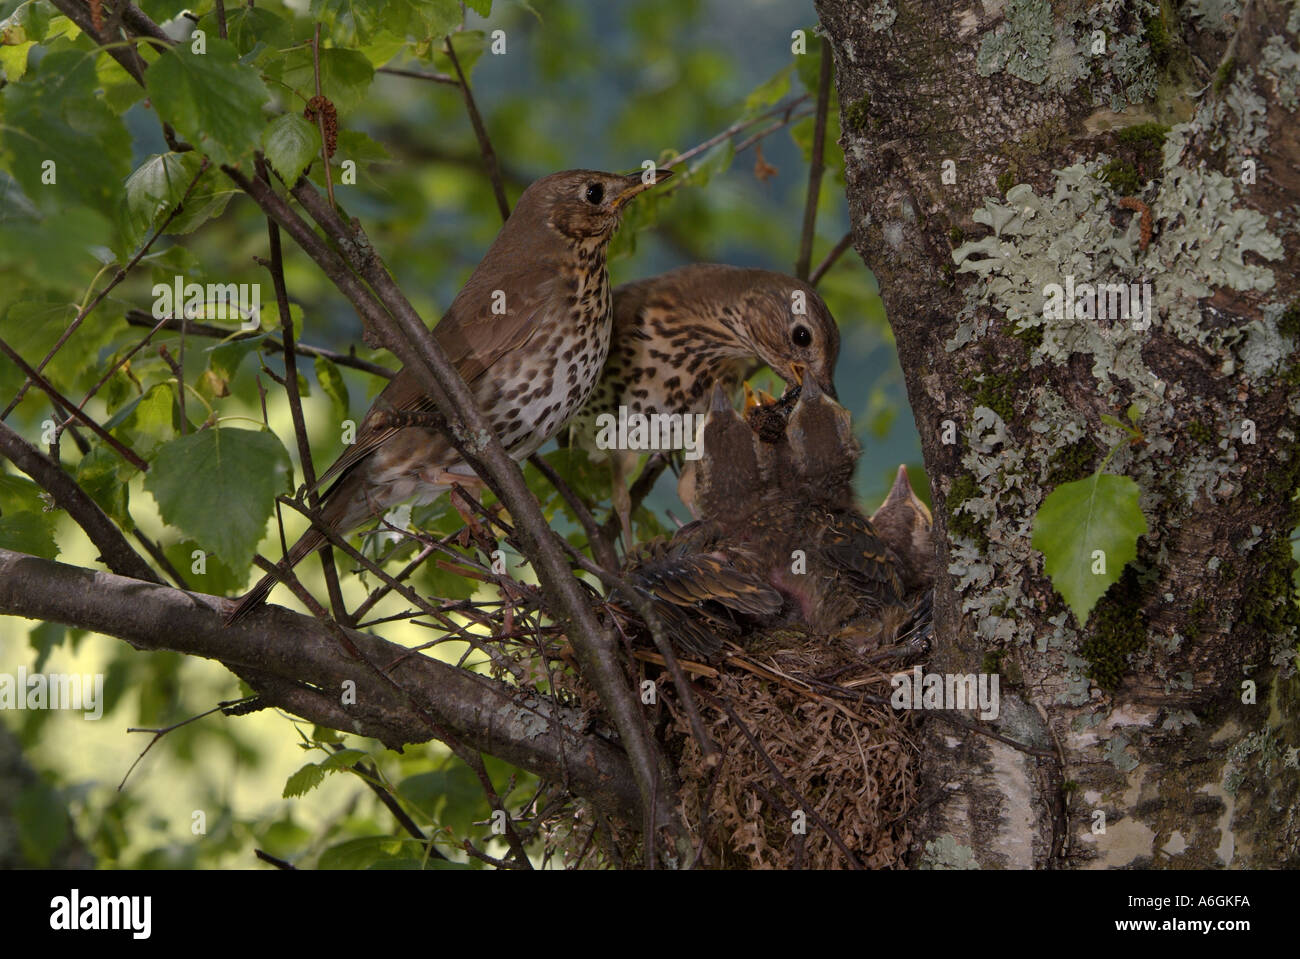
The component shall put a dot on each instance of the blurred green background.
(582, 84)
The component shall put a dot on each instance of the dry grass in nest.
(806, 737)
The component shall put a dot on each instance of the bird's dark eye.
(801, 336)
(595, 193)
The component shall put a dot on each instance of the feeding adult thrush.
(677, 334)
(780, 540)
(529, 333)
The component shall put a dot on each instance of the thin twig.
(159, 557)
(732, 130)
(177, 371)
(113, 547)
(804, 260)
(125, 358)
(320, 118)
(118, 277)
(276, 268)
(641, 487)
(480, 131)
(160, 733)
(601, 548)
(61, 400)
(415, 74)
(767, 131)
(831, 258)
(351, 360)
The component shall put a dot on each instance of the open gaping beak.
(639, 182)
(798, 372)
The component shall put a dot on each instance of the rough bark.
(1143, 705)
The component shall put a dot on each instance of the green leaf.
(469, 45)
(482, 7)
(224, 360)
(331, 381)
(770, 91)
(40, 249)
(105, 476)
(13, 60)
(29, 532)
(54, 117)
(42, 822)
(440, 17)
(354, 22)
(291, 143)
(355, 145)
(148, 421)
(354, 853)
(247, 26)
(32, 327)
(44, 639)
(303, 781)
(120, 90)
(156, 188)
(28, 23)
(219, 486)
(385, 45)
(345, 76)
(211, 98)
(215, 577)
(1099, 513)
(342, 759)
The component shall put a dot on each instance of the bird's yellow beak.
(798, 372)
(638, 183)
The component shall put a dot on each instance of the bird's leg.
(621, 498)
(461, 501)
(686, 487)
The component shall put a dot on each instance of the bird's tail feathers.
(310, 541)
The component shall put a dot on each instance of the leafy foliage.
(88, 176)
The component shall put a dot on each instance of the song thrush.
(677, 334)
(904, 522)
(529, 332)
(780, 539)
(705, 582)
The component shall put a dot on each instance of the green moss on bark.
(961, 523)
(1117, 629)
(1071, 463)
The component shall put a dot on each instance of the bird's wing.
(693, 578)
(850, 544)
(474, 339)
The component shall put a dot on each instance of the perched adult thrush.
(780, 539)
(678, 334)
(529, 332)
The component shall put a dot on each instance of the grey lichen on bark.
(988, 149)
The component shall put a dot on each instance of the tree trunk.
(994, 149)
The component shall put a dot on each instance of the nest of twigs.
(810, 767)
